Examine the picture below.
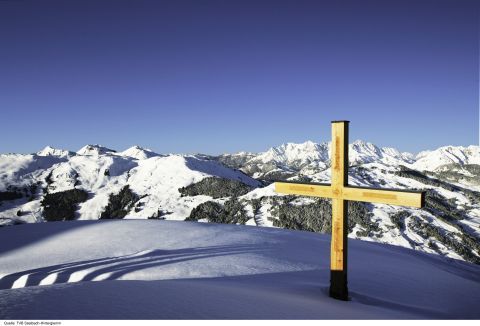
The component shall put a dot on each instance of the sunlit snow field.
(126, 269)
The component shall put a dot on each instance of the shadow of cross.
(340, 193)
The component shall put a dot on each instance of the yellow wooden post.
(338, 256)
(341, 193)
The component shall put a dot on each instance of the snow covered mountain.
(295, 155)
(179, 270)
(94, 150)
(139, 153)
(432, 160)
(361, 152)
(99, 183)
(50, 151)
(308, 157)
(102, 172)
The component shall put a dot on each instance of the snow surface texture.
(184, 270)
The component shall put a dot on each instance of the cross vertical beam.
(338, 257)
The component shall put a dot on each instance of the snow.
(261, 192)
(364, 152)
(131, 269)
(50, 151)
(138, 153)
(102, 172)
(432, 160)
(13, 167)
(295, 154)
(312, 155)
(94, 150)
(161, 177)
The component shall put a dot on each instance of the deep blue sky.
(225, 76)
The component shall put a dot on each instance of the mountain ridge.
(360, 152)
(140, 184)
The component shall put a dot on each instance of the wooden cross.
(341, 193)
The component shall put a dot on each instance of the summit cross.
(340, 193)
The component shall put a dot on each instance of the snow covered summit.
(308, 156)
(296, 155)
(138, 153)
(50, 151)
(94, 150)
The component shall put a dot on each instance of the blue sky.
(225, 76)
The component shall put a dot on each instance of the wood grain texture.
(339, 154)
(303, 189)
(370, 195)
(391, 197)
(338, 253)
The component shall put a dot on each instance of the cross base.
(338, 285)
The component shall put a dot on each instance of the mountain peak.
(51, 151)
(139, 153)
(305, 144)
(94, 150)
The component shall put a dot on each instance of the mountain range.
(100, 183)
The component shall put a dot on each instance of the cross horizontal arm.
(385, 196)
(371, 195)
(304, 189)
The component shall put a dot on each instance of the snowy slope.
(160, 177)
(103, 172)
(21, 169)
(184, 270)
(431, 160)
